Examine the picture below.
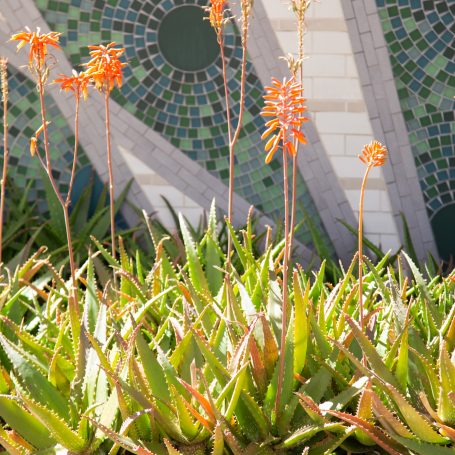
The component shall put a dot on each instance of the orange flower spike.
(105, 68)
(38, 44)
(283, 102)
(216, 11)
(374, 154)
(77, 83)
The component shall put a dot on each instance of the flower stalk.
(284, 104)
(373, 154)
(216, 15)
(296, 67)
(38, 63)
(4, 84)
(105, 69)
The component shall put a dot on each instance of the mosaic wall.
(24, 119)
(173, 84)
(421, 39)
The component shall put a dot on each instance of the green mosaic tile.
(420, 36)
(196, 111)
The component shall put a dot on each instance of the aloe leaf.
(33, 381)
(306, 433)
(446, 408)
(189, 428)
(260, 292)
(58, 428)
(427, 374)
(375, 433)
(372, 355)
(425, 293)
(288, 378)
(238, 386)
(401, 369)
(270, 347)
(122, 441)
(213, 254)
(251, 418)
(153, 372)
(379, 280)
(24, 423)
(311, 408)
(300, 328)
(416, 422)
(238, 247)
(388, 420)
(329, 445)
(365, 412)
(12, 447)
(343, 398)
(423, 448)
(171, 450)
(195, 267)
(95, 380)
(218, 441)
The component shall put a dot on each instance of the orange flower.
(283, 102)
(38, 44)
(374, 154)
(105, 68)
(34, 139)
(77, 83)
(216, 14)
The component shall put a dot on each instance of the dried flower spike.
(283, 102)
(105, 67)
(4, 77)
(38, 44)
(374, 154)
(76, 83)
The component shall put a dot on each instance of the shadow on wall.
(445, 240)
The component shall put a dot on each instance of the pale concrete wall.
(336, 104)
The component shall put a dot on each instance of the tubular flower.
(77, 83)
(34, 139)
(374, 154)
(105, 68)
(216, 14)
(283, 102)
(38, 44)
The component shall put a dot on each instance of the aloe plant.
(182, 358)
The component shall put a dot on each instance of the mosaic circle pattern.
(24, 119)
(186, 40)
(421, 39)
(186, 107)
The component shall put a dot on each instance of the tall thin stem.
(73, 302)
(4, 81)
(231, 148)
(300, 32)
(234, 139)
(285, 281)
(360, 245)
(76, 146)
(111, 173)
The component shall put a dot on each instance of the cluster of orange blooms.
(38, 45)
(216, 11)
(104, 69)
(374, 154)
(283, 102)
